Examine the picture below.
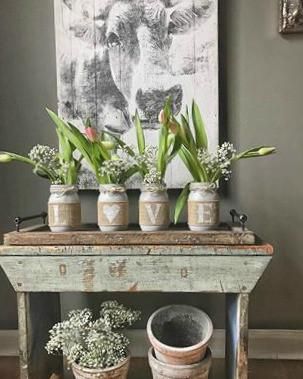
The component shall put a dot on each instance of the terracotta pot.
(179, 334)
(162, 370)
(116, 372)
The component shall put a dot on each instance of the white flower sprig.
(118, 168)
(59, 166)
(93, 343)
(217, 164)
(47, 163)
(203, 165)
(148, 160)
(46, 160)
(45, 156)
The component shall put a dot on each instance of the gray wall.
(261, 102)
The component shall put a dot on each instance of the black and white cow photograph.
(118, 56)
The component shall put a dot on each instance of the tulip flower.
(173, 127)
(162, 117)
(5, 158)
(91, 134)
(108, 145)
(267, 151)
(255, 152)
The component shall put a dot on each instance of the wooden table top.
(90, 235)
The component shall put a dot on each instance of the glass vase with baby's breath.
(113, 204)
(207, 169)
(61, 168)
(152, 163)
(154, 207)
(111, 168)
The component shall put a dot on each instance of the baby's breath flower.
(49, 164)
(93, 343)
(45, 156)
(116, 167)
(217, 164)
(117, 315)
(148, 160)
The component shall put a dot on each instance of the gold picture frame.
(291, 16)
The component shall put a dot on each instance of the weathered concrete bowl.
(179, 334)
(119, 371)
(162, 370)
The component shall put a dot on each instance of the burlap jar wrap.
(113, 213)
(153, 213)
(203, 213)
(64, 214)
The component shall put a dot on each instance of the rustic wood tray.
(90, 235)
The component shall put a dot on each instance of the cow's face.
(147, 44)
(142, 56)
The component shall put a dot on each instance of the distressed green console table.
(40, 265)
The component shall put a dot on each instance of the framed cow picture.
(118, 56)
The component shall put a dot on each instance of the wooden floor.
(139, 369)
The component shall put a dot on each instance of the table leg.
(37, 312)
(237, 336)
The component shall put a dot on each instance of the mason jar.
(112, 208)
(154, 208)
(203, 207)
(64, 209)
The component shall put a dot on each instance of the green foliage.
(203, 165)
(201, 136)
(47, 164)
(181, 202)
(98, 150)
(139, 134)
(152, 162)
(66, 152)
(94, 344)
(59, 166)
(79, 141)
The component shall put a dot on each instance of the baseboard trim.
(263, 344)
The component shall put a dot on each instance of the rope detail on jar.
(112, 188)
(211, 187)
(63, 190)
(153, 188)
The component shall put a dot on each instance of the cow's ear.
(185, 14)
(83, 31)
(68, 3)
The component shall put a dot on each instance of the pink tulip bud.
(173, 127)
(161, 117)
(91, 134)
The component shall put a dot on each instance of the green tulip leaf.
(201, 136)
(140, 134)
(181, 202)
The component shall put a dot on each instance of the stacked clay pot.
(179, 335)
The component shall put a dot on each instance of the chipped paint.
(184, 272)
(134, 287)
(88, 275)
(62, 269)
(118, 269)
